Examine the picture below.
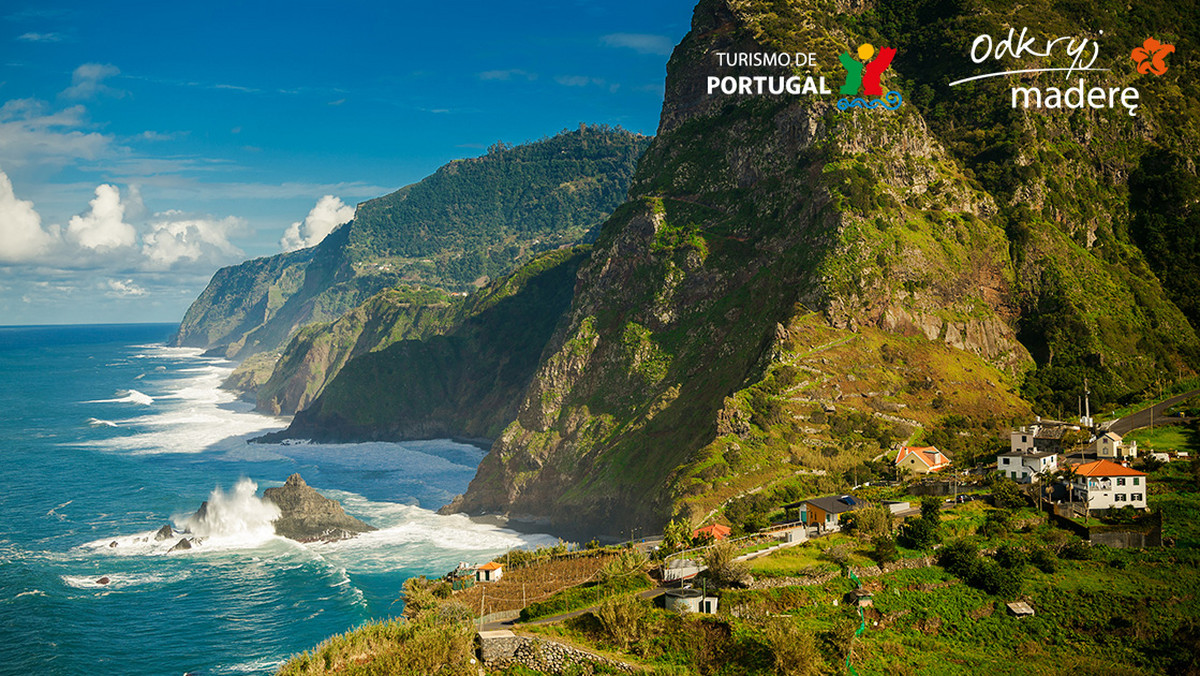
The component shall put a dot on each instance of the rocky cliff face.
(471, 221)
(747, 213)
(308, 516)
(465, 380)
(317, 353)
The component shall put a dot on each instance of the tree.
(723, 569)
(931, 509)
(1007, 494)
(622, 618)
(677, 535)
(868, 522)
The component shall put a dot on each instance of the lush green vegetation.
(465, 381)
(471, 221)
(584, 596)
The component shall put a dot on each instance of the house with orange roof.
(921, 459)
(717, 531)
(1104, 484)
(489, 572)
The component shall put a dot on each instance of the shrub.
(1044, 560)
(1013, 558)
(885, 549)
(991, 578)
(959, 558)
(1077, 550)
(919, 533)
(622, 618)
(1007, 494)
(868, 522)
(997, 523)
(723, 569)
(794, 650)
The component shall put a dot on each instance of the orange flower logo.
(1150, 55)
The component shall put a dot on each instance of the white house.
(1025, 467)
(1103, 484)
(921, 459)
(1111, 445)
(489, 572)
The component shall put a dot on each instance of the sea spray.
(237, 517)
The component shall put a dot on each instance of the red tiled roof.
(930, 455)
(1106, 468)
(717, 531)
(490, 565)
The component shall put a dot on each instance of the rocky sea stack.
(308, 516)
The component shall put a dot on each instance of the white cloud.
(175, 239)
(327, 215)
(21, 235)
(508, 74)
(40, 37)
(29, 133)
(88, 81)
(642, 43)
(103, 227)
(121, 288)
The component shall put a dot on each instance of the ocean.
(107, 434)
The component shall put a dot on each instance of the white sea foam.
(237, 518)
(96, 422)
(122, 580)
(126, 397)
(31, 592)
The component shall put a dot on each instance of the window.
(1024, 439)
(1120, 481)
(1014, 474)
(1136, 481)
(1119, 497)
(1006, 461)
(1136, 497)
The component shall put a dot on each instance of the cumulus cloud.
(103, 227)
(327, 215)
(104, 238)
(642, 43)
(122, 288)
(88, 81)
(21, 235)
(175, 239)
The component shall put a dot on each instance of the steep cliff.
(317, 353)
(465, 379)
(470, 221)
(688, 364)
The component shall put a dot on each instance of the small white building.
(1111, 445)
(489, 572)
(1026, 467)
(689, 600)
(1103, 484)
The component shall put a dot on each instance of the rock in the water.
(164, 533)
(308, 516)
(103, 580)
(183, 543)
(112, 544)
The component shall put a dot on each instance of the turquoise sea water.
(106, 435)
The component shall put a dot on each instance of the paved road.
(1141, 419)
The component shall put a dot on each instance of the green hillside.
(472, 220)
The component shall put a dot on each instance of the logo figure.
(865, 75)
(1150, 55)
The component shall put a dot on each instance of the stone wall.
(500, 649)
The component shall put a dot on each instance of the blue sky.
(145, 144)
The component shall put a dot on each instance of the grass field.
(1166, 438)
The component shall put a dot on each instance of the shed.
(860, 597)
(681, 569)
(1020, 609)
